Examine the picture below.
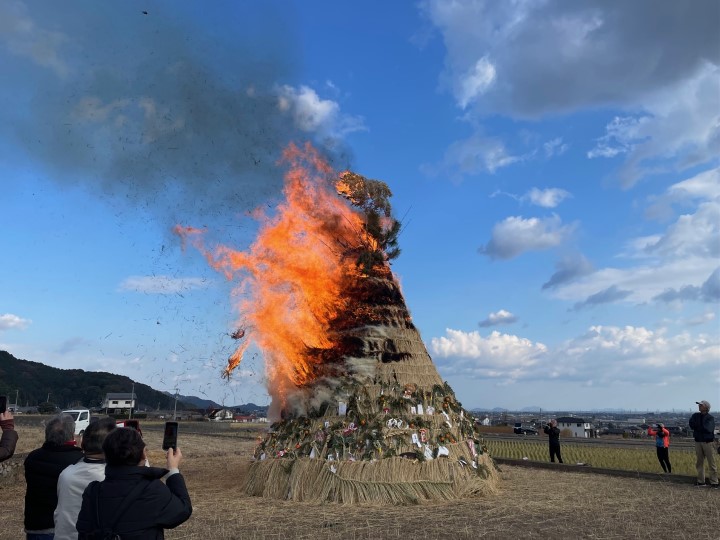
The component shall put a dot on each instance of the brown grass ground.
(531, 503)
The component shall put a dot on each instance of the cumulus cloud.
(613, 353)
(670, 264)
(656, 62)
(497, 355)
(606, 296)
(8, 321)
(601, 356)
(678, 127)
(567, 269)
(547, 198)
(557, 57)
(162, 284)
(515, 235)
(310, 113)
(703, 186)
(694, 234)
(498, 318)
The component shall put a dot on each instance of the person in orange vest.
(662, 445)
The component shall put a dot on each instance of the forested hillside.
(33, 382)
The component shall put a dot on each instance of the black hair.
(123, 446)
(95, 434)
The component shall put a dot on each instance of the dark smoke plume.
(146, 109)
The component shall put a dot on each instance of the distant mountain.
(34, 383)
(251, 408)
(195, 402)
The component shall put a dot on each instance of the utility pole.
(17, 394)
(175, 410)
(132, 399)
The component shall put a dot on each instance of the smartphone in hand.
(170, 436)
(3, 404)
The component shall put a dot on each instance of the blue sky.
(555, 165)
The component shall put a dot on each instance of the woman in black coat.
(132, 500)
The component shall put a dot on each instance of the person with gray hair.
(703, 425)
(42, 469)
(75, 478)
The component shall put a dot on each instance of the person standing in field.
(553, 433)
(703, 425)
(74, 479)
(662, 445)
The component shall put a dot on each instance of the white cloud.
(705, 185)
(497, 318)
(547, 198)
(678, 128)
(162, 284)
(310, 113)
(23, 37)
(474, 155)
(637, 354)
(497, 355)
(551, 56)
(602, 356)
(515, 235)
(555, 147)
(476, 81)
(693, 234)
(671, 265)
(8, 321)
(658, 64)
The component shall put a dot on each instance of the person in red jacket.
(662, 444)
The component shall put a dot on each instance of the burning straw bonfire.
(362, 414)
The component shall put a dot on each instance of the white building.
(577, 426)
(119, 402)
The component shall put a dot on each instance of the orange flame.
(291, 278)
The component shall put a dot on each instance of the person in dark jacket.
(9, 435)
(152, 505)
(703, 425)
(42, 469)
(553, 433)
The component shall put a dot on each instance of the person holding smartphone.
(133, 500)
(9, 438)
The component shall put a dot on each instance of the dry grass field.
(531, 503)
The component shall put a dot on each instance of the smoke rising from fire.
(163, 118)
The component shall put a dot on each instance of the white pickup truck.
(82, 419)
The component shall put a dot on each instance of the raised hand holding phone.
(174, 457)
